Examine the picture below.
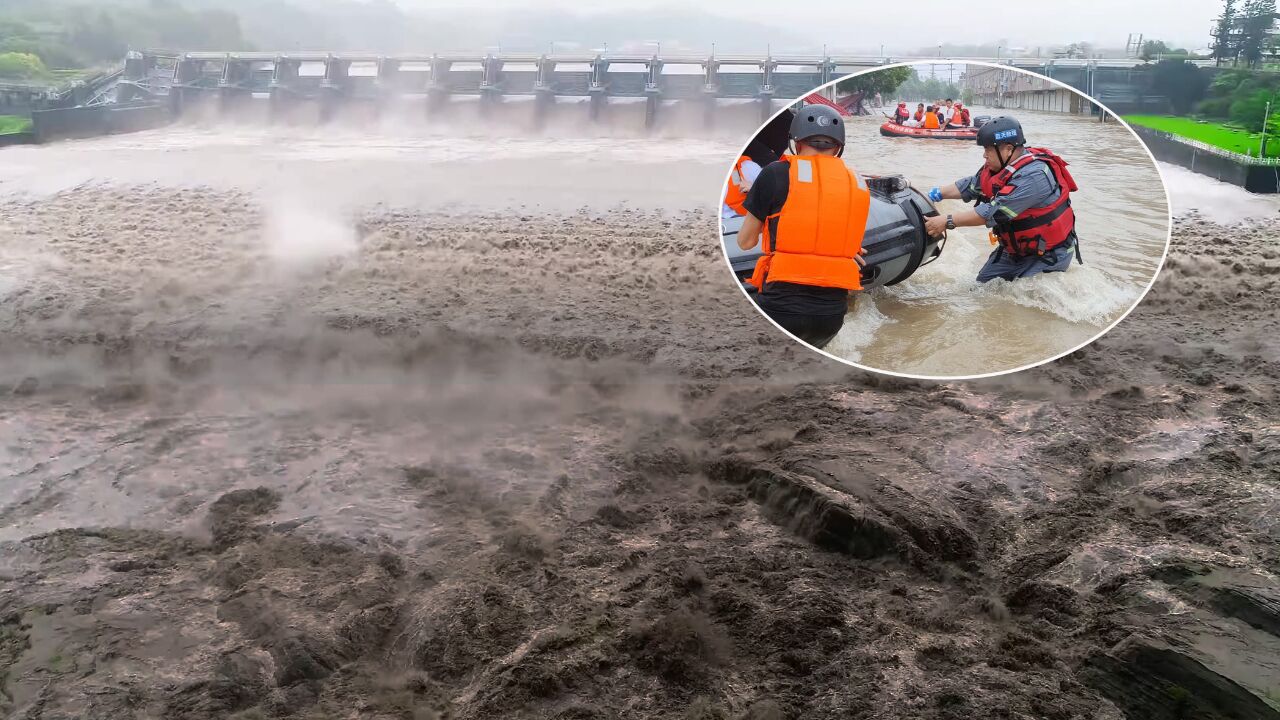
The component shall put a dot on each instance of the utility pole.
(1262, 147)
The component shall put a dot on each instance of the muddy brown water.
(446, 443)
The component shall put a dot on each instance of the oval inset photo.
(945, 221)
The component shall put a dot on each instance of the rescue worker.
(931, 119)
(745, 170)
(1024, 196)
(960, 117)
(812, 212)
(902, 114)
(919, 116)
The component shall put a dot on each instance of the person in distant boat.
(948, 112)
(919, 116)
(960, 118)
(902, 114)
(931, 119)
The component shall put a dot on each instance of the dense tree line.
(69, 35)
(927, 89)
(1241, 97)
(885, 82)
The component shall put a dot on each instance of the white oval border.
(1168, 240)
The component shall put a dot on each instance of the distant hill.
(380, 25)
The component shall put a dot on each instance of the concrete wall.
(1254, 178)
(25, 138)
(93, 121)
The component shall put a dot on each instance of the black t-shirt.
(768, 194)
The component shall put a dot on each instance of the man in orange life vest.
(812, 210)
(1024, 196)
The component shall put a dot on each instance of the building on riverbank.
(1124, 88)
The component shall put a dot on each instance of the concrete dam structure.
(333, 80)
(153, 88)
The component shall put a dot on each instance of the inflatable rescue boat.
(893, 129)
(896, 242)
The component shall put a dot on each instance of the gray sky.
(921, 23)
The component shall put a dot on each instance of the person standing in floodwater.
(810, 211)
(1024, 196)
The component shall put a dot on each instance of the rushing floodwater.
(453, 163)
(941, 322)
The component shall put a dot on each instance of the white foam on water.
(1082, 294)
(859, 328)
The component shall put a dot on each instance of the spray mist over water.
(301, 235)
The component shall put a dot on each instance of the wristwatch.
(951, 223)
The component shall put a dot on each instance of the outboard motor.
(981, 120)
(896, 243)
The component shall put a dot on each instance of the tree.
(1250, 110)
(1255, 24)
(1180, 81)
(1153, 48)
(1079, 50)
(22, 66)
(1223, 47)
(885, 82)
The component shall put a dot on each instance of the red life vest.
(919, 115)
(1035, 230)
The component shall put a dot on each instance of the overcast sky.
(921, 23)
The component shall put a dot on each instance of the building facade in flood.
(1122, 86)
(1003, 87)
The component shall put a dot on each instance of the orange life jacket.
(819, 228)
(931, 121)
(919, 115)
(1034, 230)
(734, 195)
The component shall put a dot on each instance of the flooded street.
(941, 322)
(337, 424)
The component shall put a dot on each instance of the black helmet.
(812, 121)
(1000, 130)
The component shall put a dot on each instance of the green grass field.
(1217, 134)
(14, 124)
